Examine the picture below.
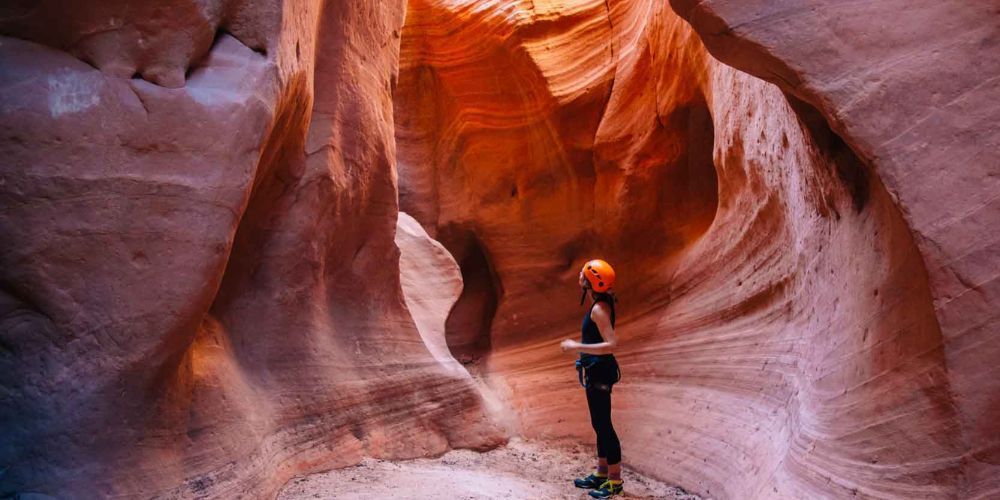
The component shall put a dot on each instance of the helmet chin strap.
(583, 294)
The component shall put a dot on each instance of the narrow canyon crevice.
(766, 275)
(245, 241)
(851, 170)
(469, 324)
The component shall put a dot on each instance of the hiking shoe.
(608, 489)
(590, 482)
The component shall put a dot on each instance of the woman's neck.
(596, 297)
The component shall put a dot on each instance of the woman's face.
(583, 280)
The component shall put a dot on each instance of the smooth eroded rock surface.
(207, 287)
(780, 334)
(200, 285)
(914, 87)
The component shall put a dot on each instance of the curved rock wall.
(199, 288)
(921, 105)
(205, 289)
(780, 338)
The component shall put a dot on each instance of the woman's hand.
(568, 345)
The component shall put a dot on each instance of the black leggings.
(608, 445)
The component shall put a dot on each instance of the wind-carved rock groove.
(776, 314)
(212, 258)
(208, 288)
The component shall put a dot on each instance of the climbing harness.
(592, 371)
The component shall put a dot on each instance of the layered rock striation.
(921, 106)
(200, 285)
(782, 336)
(206, 285)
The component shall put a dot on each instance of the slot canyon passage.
(244, 241)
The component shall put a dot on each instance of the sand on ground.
(521, 469)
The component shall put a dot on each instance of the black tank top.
(590, 333)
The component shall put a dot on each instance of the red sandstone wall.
(199, 287)
(780, 339)
(916, 93)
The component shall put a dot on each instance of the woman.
(598, 372)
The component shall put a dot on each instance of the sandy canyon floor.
(522, 469)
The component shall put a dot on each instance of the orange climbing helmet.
(600, 274)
